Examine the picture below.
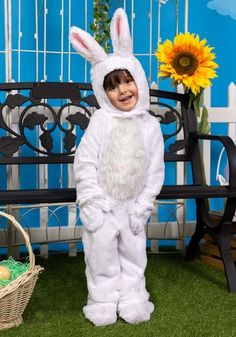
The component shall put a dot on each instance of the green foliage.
(101, 23)
(204, 124)
(201, 111)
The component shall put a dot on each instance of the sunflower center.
(185, 63)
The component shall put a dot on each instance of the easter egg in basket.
(4, 273)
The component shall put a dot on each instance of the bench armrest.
(230, 149)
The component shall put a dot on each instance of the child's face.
(124, 96)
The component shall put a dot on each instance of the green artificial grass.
(191, 300)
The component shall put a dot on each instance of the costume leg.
(102, 272)
(134, 306)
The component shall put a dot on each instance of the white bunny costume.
(119, 170)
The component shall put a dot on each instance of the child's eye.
(111, 90)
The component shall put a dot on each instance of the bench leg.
(200, 230)
(230, 271)
(223, 241)
(221, 234)
(192, 248)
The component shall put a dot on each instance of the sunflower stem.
(204, 126)
(196, 101)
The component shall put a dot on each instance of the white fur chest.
(124, 161)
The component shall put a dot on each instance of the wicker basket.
(15, 296)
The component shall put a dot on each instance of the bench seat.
(58, 195)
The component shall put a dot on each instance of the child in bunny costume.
(119, 170)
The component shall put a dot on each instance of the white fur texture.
(101, 314)
(134, 313)
(137, 223)
(100, 70)
(118, 168)
(89, 154)
(86, 45)
(124, 161)
(92, 217)
(115, 276)
(102, 64)
(120, 34)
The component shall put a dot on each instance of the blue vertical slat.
(40, 70)
(181, 15)
(154, 73)
(40, 20)
(27, 25)
(53, 25)
(128, 11)
(77, 13)
(168, 20)
(89, 20)
(53, 66)
(2, 37)
(77, 68)
(154, 40)
(3, 70)
(190, 203)
(216, 147)
(15, 23)
(27, 173)
(66, 30)
(155, 9)
(27, 67)
(15, 65)
(141, 38)
(116, 4)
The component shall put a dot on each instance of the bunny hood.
(102, 63)
(100, 70)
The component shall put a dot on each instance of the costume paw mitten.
(92, 217)
(137, 222)
(103, 204)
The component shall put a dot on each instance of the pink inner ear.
(80, 41)
(118, 23)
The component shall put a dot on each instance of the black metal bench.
(31, 102)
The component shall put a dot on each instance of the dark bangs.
(116, 77)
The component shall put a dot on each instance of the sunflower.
(187, 60)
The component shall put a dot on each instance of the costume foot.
(101, 314)
(134, 313)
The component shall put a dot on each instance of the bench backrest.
(41, 123)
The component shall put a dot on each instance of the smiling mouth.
(126, 99)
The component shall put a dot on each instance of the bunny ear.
(86, 45)
(120, 33)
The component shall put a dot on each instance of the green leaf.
(201, 97)
(196, 107)
(92, 27)
(204, 126)
(191, 99)
(197, 103)
(101, 24)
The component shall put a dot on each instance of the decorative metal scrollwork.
(37, 117)
(169, 115)
(34, 114)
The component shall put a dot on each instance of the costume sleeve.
(155, 174)
(86, 165)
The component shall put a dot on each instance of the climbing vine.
(101, 23)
